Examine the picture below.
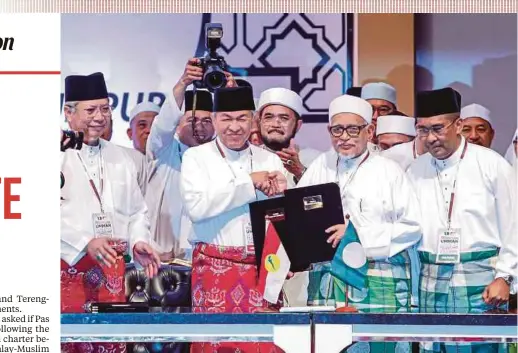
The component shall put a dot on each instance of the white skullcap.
(379, 90)
(350, 104)
(281, 96)
(475, 111)
(395, 124)
(144, 107)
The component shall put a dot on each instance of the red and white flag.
(275, 265)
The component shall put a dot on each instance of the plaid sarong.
(457, 288)
(388, 290)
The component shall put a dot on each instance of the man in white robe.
(477, 125)
(383, 99)
(512, 151)
(103, 213)
(279, 113)
(467, 194)
(279, 117)
(218, 181)
(171, 134)
(402, 131)
(379, 201)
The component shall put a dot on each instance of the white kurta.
(484, 206)
(141, 166)
(170, 227)
(378, 198)
(216, 191)
(122, 199)
(403, 154)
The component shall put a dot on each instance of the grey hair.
(72, 106)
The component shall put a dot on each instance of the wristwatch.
(295, 179)
(508, 279)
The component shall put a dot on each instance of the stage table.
(293, 332)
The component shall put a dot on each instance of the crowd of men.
(433, 205)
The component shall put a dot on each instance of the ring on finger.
(99, 256)
(289, 162)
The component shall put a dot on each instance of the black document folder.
(305, 215)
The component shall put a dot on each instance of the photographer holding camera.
(184, 121)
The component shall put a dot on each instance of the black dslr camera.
(75, 141)
(213, 64)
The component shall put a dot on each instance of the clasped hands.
(269, 183)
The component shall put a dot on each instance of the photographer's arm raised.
(164, 126)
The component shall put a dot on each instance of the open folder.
(300, 218)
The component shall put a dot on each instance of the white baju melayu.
(170, 226)
(403, 154)
(378, 198)
(122, 198)
(141, 166)
(216, 190)
(484, 204)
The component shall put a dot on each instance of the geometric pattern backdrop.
(143, 55)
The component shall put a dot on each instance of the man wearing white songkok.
(382, 98)
(401, 128)
(174, 130)
(279, 113)
(512, 151)
(279, 116)
(141, 119)
(467, 194)
(477, 125)
(394, 129)
(378, 200)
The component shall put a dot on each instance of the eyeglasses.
(352, 130)
(105, 110)
(202, 121)
(436, 129)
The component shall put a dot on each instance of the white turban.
(395, 124)
(144, 107)
(475, 111)
(281, 96)
(350, 104)
(379, 90)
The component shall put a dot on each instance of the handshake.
(269, 183)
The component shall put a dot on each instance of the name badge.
(249, 239)
(102, 225)
(448, 251)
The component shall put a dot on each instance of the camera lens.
(214, 78)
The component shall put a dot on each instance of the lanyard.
(452, 195)
(350, 179)
(98, 194)
(414, 149)
(228, 164)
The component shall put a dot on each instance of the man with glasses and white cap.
(279, 117)
(382, 98)
(476, 125)
(467, 193)
(378, 199)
